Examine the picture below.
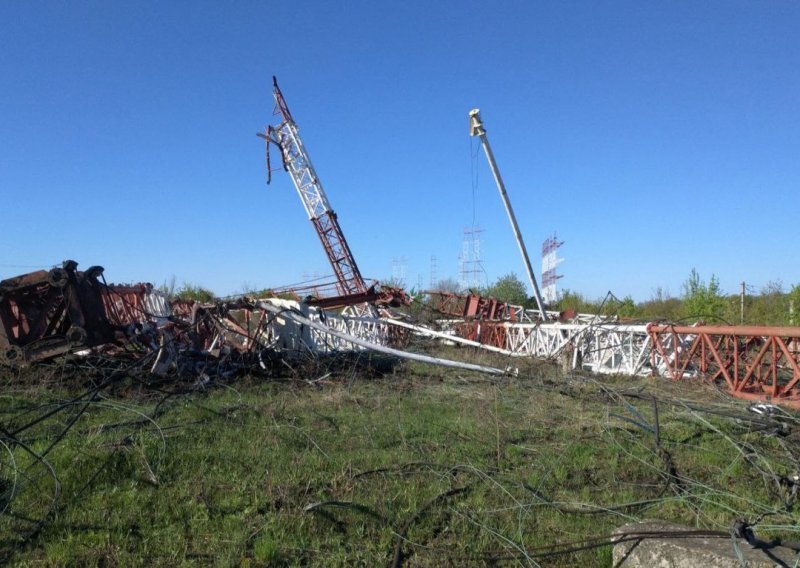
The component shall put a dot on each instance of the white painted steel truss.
(302, 172)
(287, 335)
(597, 346)
(601, 348)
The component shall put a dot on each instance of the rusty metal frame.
(750, 362)
(754, 362)
(475, 306)
(47, 313)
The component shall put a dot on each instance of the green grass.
(457, 468)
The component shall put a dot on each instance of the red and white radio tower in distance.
(550, 261)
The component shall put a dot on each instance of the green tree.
(770, 307)
(510, 289)
(571, 300)
(189, 291)
(448, 285)
(393, 282)
(168, 287)
(701, 300)
(627, 308)
(794, 305)
(661, 306)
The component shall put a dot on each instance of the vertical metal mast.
(476, 129)
(315, 202)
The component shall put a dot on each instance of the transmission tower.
(399, 269)
(471, 272)
(550, 261)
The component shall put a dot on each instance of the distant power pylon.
(399, 268)
(550, 261)
(471, 273)
(434, 278)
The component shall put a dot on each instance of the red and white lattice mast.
(296, 161)
(550, 261)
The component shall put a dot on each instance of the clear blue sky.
(652, 136)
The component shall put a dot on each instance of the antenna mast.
(297, 162)
(476, 129)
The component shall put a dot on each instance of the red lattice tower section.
(754, 362)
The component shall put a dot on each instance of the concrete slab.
(692, 552)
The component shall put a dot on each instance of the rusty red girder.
(754, 362)
(47, 313)
(471, 306)
(297, 163)
(484, 332)
(379, 296)
(327, 296)
(126, 304)
(348, 277)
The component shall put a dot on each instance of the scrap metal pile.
(49, 313)
(750, 362)
(46, 314)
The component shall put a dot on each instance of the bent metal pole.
(476, 129)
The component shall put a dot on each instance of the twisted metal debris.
(46, 314)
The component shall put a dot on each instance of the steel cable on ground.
(712, 498)
(605, 393)
(528, 552)
(11, 436)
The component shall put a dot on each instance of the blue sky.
(654, 137)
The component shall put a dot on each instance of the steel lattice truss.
(315, 202)
(751, 362)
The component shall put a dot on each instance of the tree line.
(699, 300)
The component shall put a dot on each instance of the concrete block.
(692, 552)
